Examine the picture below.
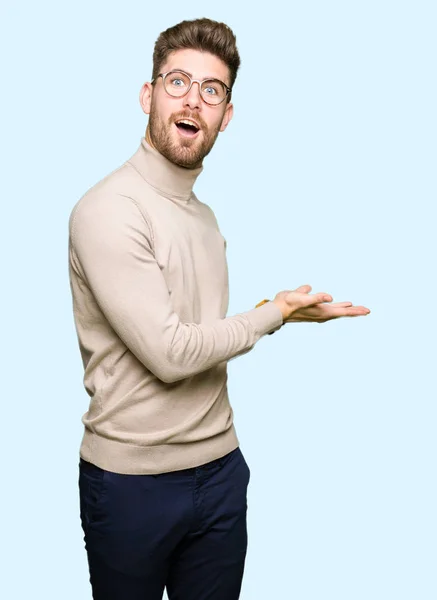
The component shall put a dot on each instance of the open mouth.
(187, 128)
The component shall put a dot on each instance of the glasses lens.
(176, 84)
(213, 92)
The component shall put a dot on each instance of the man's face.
(181, 146)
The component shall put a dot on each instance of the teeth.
(188, 122)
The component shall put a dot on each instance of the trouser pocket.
(91, 491)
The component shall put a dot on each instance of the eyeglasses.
(178, 83)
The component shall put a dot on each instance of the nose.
(193, 99)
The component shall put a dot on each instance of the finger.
(350, 311)
(361, 310)
(364, 308)
(305, 289)
(346, 307)
(342, 304)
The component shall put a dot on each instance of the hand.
(299, 306)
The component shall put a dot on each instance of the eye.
(210, 90)
(177, 82)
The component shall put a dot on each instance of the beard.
(182, 151)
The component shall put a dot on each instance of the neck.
(148, 137)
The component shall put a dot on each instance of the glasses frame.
(164, 75)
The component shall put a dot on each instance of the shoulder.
(110, 201)
(206, 212)
(210, 218)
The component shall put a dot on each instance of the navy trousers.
(184, 531)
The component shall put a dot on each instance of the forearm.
(190, 348)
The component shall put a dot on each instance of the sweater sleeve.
(111, 249)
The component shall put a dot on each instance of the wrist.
(285, 310)
(264, 302)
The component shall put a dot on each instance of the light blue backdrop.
(327, 176)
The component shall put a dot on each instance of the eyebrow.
(191, 75)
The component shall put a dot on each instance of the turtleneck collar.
(166, 177)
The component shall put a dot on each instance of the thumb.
(319, 298)
(305, 289)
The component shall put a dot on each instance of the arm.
(111, 250)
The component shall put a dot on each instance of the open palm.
(318, 308)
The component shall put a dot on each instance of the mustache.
(186, 115)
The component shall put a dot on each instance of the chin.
(187, 161)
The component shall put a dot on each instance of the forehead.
(201, 65)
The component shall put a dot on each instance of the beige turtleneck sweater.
(149, 282)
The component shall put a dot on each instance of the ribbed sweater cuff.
(266, 318)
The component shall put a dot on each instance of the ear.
(146, 97)
(229, 111)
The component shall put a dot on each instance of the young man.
(162, 479)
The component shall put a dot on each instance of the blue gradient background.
(326, 176)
